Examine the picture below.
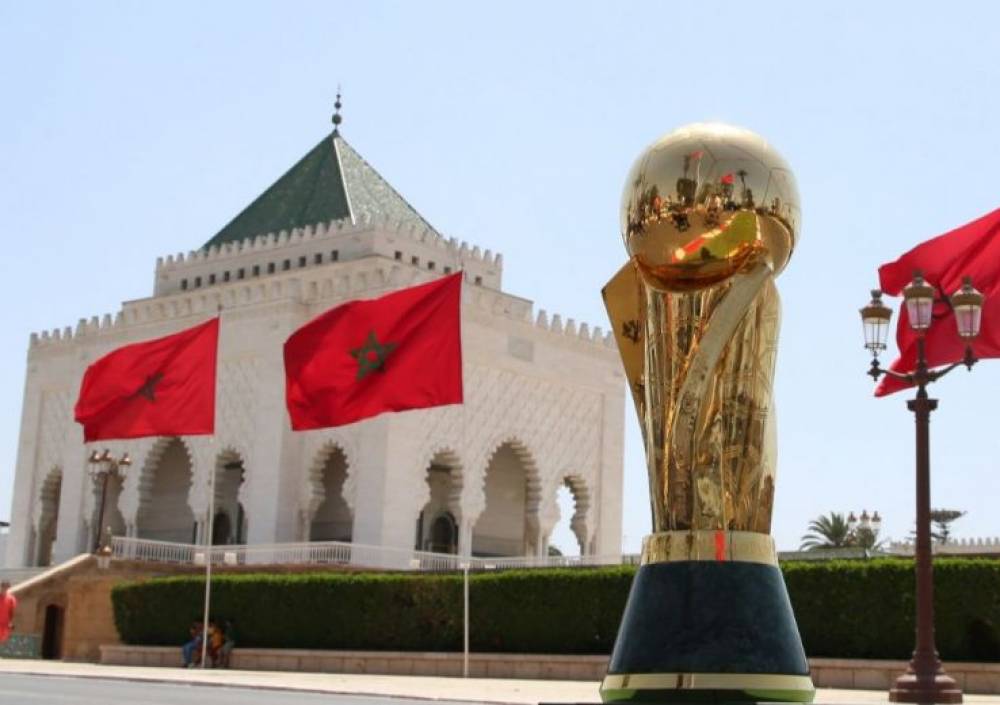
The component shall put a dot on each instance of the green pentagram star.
(148, 388)
(371, 356)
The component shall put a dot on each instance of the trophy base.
(708, 631)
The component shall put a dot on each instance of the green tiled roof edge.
(331, 182)
(311, 192)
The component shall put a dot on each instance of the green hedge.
(861, 609)
(866, 609)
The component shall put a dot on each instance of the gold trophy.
(709, 216)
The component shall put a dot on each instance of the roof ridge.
(331, 182)
(405, 210)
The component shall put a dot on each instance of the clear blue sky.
(134, 130)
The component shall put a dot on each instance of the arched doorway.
(228, 526)
(333, 519)
(164, 513)
(508, 525)
(241, 524)
(437, 529)
(444, 534)
(569, 536)
(221, 529)
(52, 632)
(113, 518)
(48, 519)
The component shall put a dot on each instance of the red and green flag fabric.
(972, 249)
(161, 387)
(397, 352)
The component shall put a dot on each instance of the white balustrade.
(338, 553)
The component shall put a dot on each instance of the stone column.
(272, 493)
(19, 537)
(606, 500)
(370, 470)
(465, 535)
(75, 482)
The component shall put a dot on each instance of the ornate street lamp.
(876, 523)
(102, 467)
(925, 680)
(869, 524)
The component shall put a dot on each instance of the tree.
(827, 532)
(866, 538)
(941, 518)
(834, 531)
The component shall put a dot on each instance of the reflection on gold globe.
(704, 201)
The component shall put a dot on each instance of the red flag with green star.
(161, 387)
(397, 352)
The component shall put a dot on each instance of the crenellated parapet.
(314, 289)
(326, 244)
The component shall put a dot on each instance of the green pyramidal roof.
(331, 182)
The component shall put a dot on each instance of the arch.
(509, 522)
(327, 515)
(242, 526)
(113, 517)
(52, 631)
(443, 499)
(164, 512)
(444, 534)
(48, 515)
(229, 522)
(222, 527)
(577, 522)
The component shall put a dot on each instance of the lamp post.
(925, 680)
(102, 467)
(865, 525)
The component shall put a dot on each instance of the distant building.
(988, 547)
(544, 398)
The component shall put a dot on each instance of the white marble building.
(544, 398)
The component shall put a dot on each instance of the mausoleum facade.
(544, 398)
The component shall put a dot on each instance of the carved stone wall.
(533, 381)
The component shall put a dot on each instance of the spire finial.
(336, 113)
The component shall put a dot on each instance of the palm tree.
(827, 532)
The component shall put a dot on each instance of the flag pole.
(209, 530)
(467, 563)
(208, 557)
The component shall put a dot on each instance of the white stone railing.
(337, 552)
(152, 551)
(361, 555)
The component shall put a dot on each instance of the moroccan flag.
(973, 250)
(727, 178)
(400, 351)
(162, 387)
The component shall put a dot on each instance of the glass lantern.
(876, 522)
(875, 319)
(967, 303)
(919, 297)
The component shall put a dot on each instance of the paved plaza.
(52, 682)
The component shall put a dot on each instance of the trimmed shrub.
(846, 609)
(866, 609)
(304, 611)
